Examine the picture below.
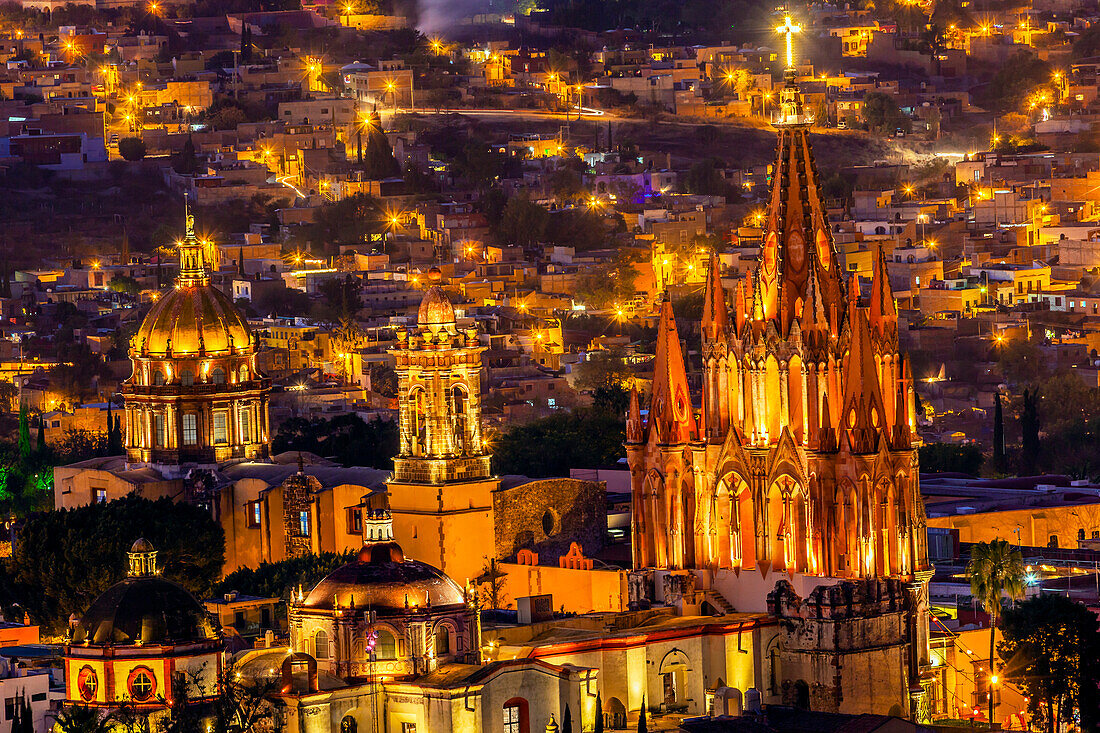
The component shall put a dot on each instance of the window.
(515, 715)
(246, 427)
(386, 646)
(217, 376)
(158, 378)
(442, 640)
(9, 708)
(100, 496)
(38, 697)
(141, 683)
(187, 378)
(220, 434)
(303, 523)
(190, 429)
(408, 728)
(355, 520)
(87, 683)
(320, 645)
(255, 514)
(158, 421)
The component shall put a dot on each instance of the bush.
(132, 148)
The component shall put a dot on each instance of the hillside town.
(607, 365)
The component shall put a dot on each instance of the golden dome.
(435, 310)
(189, 317)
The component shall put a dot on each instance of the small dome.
(382, 578)
(435, 274)
(191, 316)
(142, 545)
(144, 610)
(435, 310)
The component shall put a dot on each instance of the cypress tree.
(24, 433)
(567, 721)
(642, 727)
(998, 435)
(599, 714)
(1029, 426)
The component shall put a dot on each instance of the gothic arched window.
(320, 645)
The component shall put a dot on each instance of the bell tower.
(441, 491)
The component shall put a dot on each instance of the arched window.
(320, 645)
(418, 421)
(158, 377)
(217, 376)
(458, 403)
(386, 645)
(187, 378)
(243, 374)
(442, 640)
(515, 716)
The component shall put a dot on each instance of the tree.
(552, 445)
(523, 222)
(1021, 362)
(83, 719)
(22, 718)
(9, 393)
(24, 433)
(642, 727)
(599, 714)
(132, 148)
(566, 721)
(996, 568)
(603, 369)
(999, 464)
(378, 160)
(280, 579)
(64, 559)
(491, 584)
(1029, 426)
(186, 162)
(881, 113)
(347, 438)
(124, 284)
(951, 458)
(1050, 650)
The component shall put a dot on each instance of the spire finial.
(789, 29)
(188, 217)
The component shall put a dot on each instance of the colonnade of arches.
(856, 528)
(764, 395)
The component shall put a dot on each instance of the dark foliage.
(346, 439)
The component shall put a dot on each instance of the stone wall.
(546, 515)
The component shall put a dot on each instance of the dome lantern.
(143, 559)
(192, 258)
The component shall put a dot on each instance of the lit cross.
(789, 29)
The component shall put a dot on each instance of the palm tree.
(996, 568)
(82, 719)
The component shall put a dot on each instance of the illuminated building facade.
(194, 396)
(802, 466)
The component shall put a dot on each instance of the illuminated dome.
(382, 578)
(435, 310)
(189, 319)
(194, 396)
(144, 609)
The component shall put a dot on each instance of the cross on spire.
(789, 29)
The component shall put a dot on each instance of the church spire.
(864, 413)
(191, 252)
(670, 412)
(715, 310)
(884, 312)
(634, 432)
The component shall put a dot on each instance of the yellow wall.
(579, 591)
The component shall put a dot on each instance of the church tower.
(801, 472)
(442, 486)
